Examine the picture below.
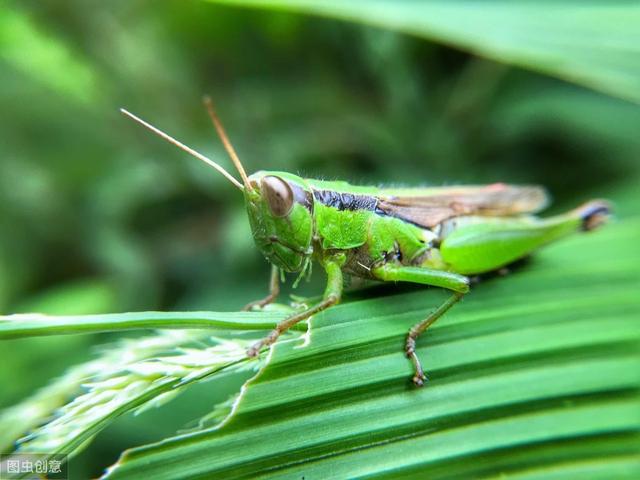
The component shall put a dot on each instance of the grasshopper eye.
(278, 194)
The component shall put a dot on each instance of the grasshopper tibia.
(410, 347)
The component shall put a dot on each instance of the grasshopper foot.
(419, 378)
(254, 350)
(259, 304)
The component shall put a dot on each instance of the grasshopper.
(437, 236)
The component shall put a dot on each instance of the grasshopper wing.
(429, 207)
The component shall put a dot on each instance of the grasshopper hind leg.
(459, 284)
(410, 346)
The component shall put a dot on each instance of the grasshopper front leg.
(332, 295)
(274, 291)
(451, 281)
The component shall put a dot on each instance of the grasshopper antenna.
(182, 146)
(208, 103)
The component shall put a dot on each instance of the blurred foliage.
(590, 43)
(97, 215)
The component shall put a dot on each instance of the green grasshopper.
(431, 236)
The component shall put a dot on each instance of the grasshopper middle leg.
(332, 296)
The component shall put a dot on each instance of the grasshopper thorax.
(280, 209)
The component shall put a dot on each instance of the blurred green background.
(98, 215)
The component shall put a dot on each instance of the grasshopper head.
(279, 204)
(280, 209)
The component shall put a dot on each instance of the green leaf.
(34, 324)
(596, 44)
(45, 58)
(534, 374)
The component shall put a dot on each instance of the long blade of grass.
(33, 324)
